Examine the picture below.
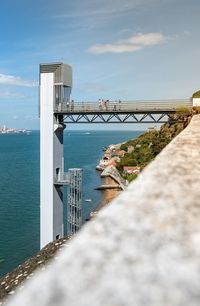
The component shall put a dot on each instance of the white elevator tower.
(55, 89)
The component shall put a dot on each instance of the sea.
(19, 186)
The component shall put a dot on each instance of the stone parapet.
(143, 249)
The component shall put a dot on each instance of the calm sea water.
(19, 186)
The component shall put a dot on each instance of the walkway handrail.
(116, 106)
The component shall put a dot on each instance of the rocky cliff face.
(148, 145)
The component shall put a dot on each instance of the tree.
(196, 94)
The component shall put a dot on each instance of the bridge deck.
(123, 107)
(158, 111)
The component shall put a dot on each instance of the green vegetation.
(131, 177)
(183, 110)
(149, 144)
(196, 94)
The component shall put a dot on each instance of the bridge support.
(55, 88)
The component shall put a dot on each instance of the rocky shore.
(110, 175)
(108, 194)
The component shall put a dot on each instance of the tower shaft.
(55, 88)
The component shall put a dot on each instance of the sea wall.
(115, 175)
(142, 249)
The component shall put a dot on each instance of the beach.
(108, 194)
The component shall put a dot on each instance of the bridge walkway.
(137, 106)
(149, 111)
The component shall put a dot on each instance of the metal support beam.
(145, 117)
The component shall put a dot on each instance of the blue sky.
(119, 49)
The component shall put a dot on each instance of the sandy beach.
(109, 194)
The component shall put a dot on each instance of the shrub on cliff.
(124, 147)
(126, 161)
(196, 94)
(149, 144)
(131, 177)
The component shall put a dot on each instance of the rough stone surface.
(14, 279)
(143, 249)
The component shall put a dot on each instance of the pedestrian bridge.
(136, 111)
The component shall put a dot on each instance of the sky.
(118, 49)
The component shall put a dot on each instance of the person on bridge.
(106, 104)
(72, 105)
(120, 104)
(100, 104)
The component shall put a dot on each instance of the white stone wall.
(196, 101)
(46, 158)
(143, 249)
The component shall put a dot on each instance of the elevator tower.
(55, 89)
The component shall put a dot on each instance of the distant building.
(131, 170)
(113, 163)
(112, 147)
(121, 153)
(107, 161)
(196, 101)
(130, 149)
(106, 156)
(153, 128)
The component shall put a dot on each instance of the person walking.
(100, 104)
(68, 104)
(72, 105)
(120, 104)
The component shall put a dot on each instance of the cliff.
(141, 151)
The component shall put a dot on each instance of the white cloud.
(91, 14)
(32, 118)
(147, 39)
(16, 81)
(132, 44)
(101, 8)
(11, 95)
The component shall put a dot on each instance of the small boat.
(88, 200)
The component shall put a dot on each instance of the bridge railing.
(63, 178)
(123, 106)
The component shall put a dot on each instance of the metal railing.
(123, 106)
(63, 178)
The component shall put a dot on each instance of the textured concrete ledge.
(15, 279)
(143, 249)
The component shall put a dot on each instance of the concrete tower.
(55, 89)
